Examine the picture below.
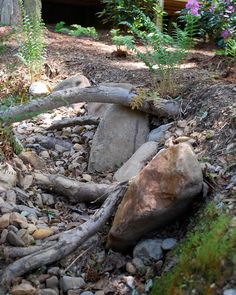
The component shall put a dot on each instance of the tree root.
(70, 122)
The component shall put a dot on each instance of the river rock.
(148, 250)
(14, 240)
(48, 291)
(39, 89)
(18, 220)
(71, 283)
(120, 133)
(4, 220)
(158, 134)
(136, 163)
(23, 289)
(8, 177)
(42, 233)
(161, 192)
(168, 244)
(229, 292)
(30, 157)
(79, 81)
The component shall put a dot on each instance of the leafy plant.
(78, 30)
(121, 41)
(32, 43)
(206, 257)
(163, 53)
(230, 48)
(60, 28)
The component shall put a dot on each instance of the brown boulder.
(161, 192)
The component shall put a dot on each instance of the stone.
(158, 134)
(11, 197)
(54, 271)
(48, 199)
(24, 288)
(3, 237)
(87, 293)
(100, 292)
(8, 177)
(168, 244)
(25, 181)
(45, 155)
(77, 147)
(39, 89)
(48, 291)
(31, 228)
(78, 81)
(120, 133)
(18, 220)
(14, 240)
(87, 177)
(139, 265)
(229, 292)
(71, 283)
(130, 268)
(30, 157)
(148, 250)
(136, 163)
(29, 210)
(52, 282)
(4, 221)
(159, 194)
(42, 233)
(24, 235)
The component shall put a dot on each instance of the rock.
(130, 268)
(8, 177)
(18, 220)
(100, 292)
(48, 199)
(45, 155)
(30, 157)
(52, 282)
(168, 244)
(139, 265)
(71, 283)
(4, 221)
(11, 197)
(136, 163)
(29, 210)
(24, 235)
(13, 228)
(54, 271)
(158, 134)
(120, 133)
(87, 177)
(23, 289)
(77, 147)
(39, 89)
(48, 292)
(148, 250)
(31, 228)
(86, 293)
(3, 237)
(42, 233)
(79, 81)
(229, 292)
(25, 181)
(161, 192)
(14, 240)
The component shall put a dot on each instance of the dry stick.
(69, 240)
(70, 122)
(76, 191)
(105, 94)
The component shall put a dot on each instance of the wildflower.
(193, 7)
(225, 34)
(212, 9)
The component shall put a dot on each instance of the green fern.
(119, 40)
(230, 49)
(78, 30)
(32, 43)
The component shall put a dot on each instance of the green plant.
(78, 30)
(32, 43)
(121, 41)
(60, 28)
(230, 48)
(206, 257)
(163, 53)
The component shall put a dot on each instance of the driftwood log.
(75, 191)
(104, 94)
(67, 242)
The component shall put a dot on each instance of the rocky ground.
(30, 215)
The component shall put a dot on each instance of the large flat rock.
(120, 133)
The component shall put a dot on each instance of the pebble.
(168, 244)
(13, 228)
(48, 292)
(71, 283)
(130, 268)
(31, 228)
(52, 282)
(77, 147)
(54, 271)
(4, 221)
(87, 177)
(42, 233)
(14, 240)
(18, 220)
(45, 155)
(11, 197)
(24, 235)
(148, 250)
(23, 289)
(87, 293)
(60, 148)
(48, 199)
(139, 265)
(3, 236)
(229, 292)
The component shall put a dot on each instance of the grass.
(206, 260)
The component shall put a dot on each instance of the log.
(77, 192)
(68, 242)
(102, 93)
(70, 122)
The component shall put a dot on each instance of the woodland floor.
(212, 123)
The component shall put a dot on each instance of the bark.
(77, 192)
(104, 94)
(9, 12)
(68, 241)
(70, 122)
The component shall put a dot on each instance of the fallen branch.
(70, 122)
(102, 93)
(68, 241)
(77, 192)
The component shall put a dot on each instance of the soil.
(207, 87)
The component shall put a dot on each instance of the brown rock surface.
(161, 192)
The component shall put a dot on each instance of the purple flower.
(212, 9)
(230, 8)
(193, 6)
(225, 34)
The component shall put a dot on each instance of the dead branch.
(68, 241)
(70, 122)
(77, 192)
(102, 93)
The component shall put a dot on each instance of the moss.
(206, 259)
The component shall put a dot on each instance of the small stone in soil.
(48, 292)
(168, 244)
(71, 283)
(230, 292)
